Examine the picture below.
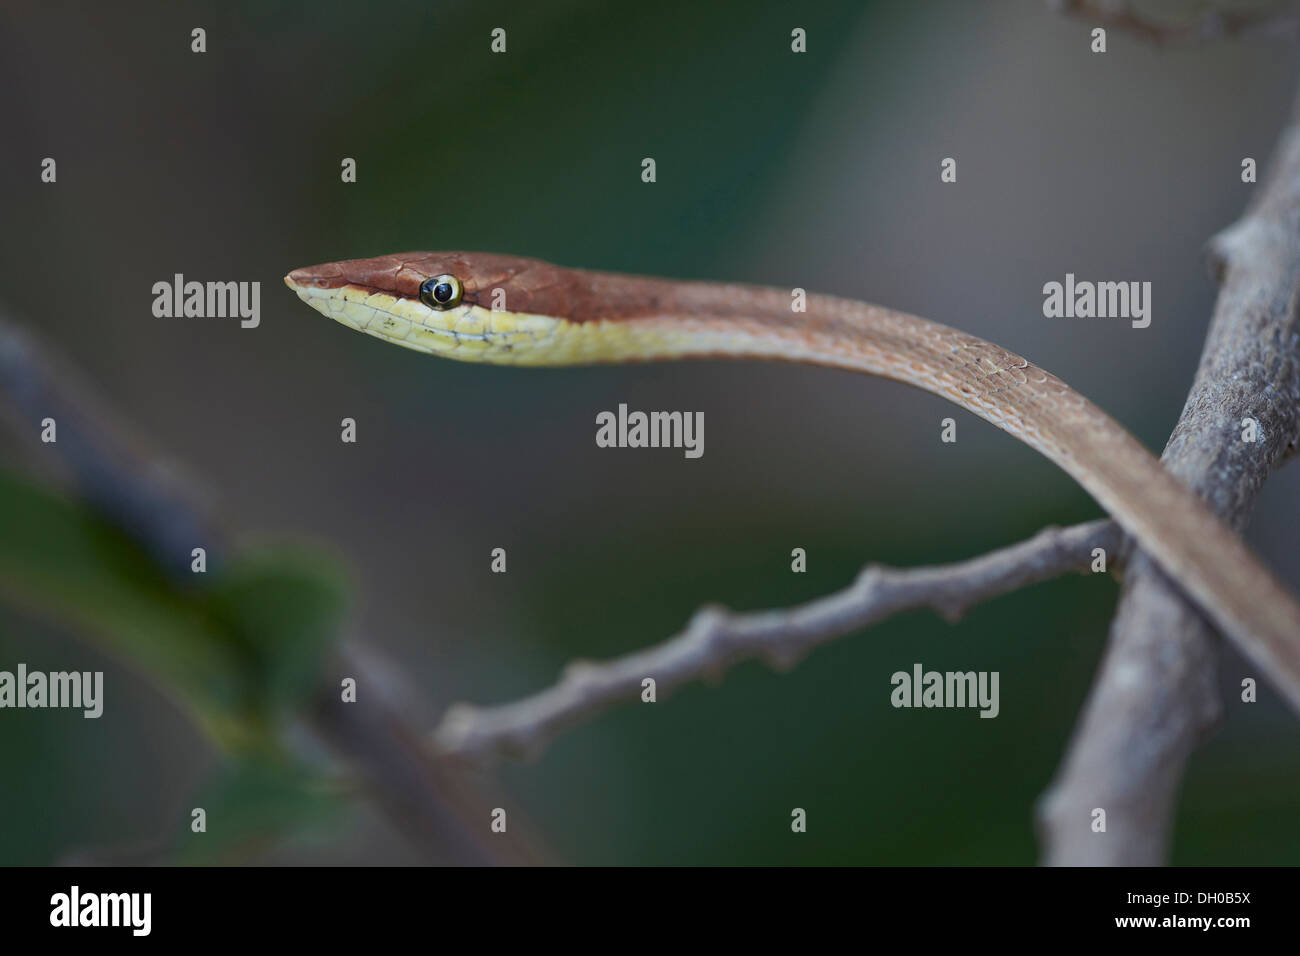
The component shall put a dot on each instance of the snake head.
(504, 309)
(464, 305)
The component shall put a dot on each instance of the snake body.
(516, 311)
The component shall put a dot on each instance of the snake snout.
(321, 277)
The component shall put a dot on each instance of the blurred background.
(818, 170)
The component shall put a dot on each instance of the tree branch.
(114, 471)
(1156, 696)
(716, 639)
(1280, 20)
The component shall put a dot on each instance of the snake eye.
(440, 292)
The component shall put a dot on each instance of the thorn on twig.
(708, 619)
(951, 608)
(1216, 257)
(455, 725)
(783, 657)
(870, 578)
(578, 670)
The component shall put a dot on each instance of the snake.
(510, 310)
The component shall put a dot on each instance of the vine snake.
(515, 311)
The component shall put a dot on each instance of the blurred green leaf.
(235, 653)
(255, 802)
(285, 608)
